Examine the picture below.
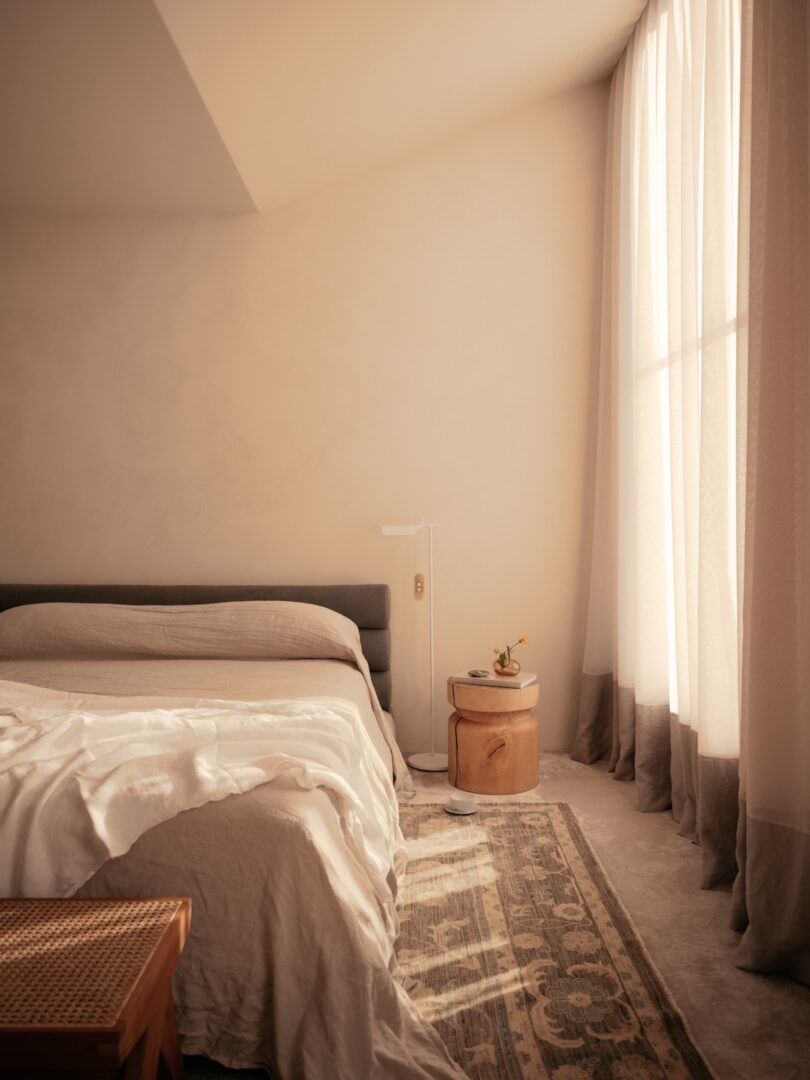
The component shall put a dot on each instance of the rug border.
(584, 846)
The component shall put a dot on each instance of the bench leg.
(157, 1052)
(171, 1060)
(143, 1061)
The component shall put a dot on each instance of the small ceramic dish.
(462, 803)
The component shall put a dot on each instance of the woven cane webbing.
(74, 962)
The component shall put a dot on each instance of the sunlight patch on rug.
(462, 955)
(444, 841)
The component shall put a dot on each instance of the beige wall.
(246, 398)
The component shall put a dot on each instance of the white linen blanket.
(79, 786)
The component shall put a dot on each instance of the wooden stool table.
(85, 987)
(492, 739)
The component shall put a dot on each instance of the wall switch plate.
(419, 586)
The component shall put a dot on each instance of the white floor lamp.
(428, 762)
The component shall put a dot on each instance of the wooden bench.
(85, 987)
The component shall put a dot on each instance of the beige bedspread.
(281, 969)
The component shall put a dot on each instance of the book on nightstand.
(506, 682)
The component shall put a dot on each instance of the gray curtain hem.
(648, 744)
(772, 910)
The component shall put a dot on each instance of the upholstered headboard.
(367, 605)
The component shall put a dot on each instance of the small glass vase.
(510, 668)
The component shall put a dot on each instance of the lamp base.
(428, 762)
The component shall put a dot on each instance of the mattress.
(232, 680)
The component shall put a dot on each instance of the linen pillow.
(249, 629)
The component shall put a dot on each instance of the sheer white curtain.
(661, 670)
(699, 619)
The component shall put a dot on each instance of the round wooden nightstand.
(492, 738)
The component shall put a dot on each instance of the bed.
(266, 712)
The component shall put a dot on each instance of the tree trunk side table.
(492, 738)
(85, 987)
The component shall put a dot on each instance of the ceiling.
(247, 104)
(98, 111)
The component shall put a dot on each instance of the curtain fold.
(660, 688)
(771, 897)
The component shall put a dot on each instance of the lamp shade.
(405, 530)
(399, 530)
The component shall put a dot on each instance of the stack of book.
(512, 682)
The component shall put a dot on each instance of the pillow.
(250, 629)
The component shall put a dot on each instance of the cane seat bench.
(85, 987)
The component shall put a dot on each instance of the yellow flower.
(522, 639)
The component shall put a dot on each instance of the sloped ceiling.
(98, 111)
(310, 91)
(239, 105)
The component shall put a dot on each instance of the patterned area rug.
(516, 948)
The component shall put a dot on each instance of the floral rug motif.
(514, 945)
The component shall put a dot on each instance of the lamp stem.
(430, 638)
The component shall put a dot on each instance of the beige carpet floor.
(749, 1027)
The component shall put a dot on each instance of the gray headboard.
(367, 605)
